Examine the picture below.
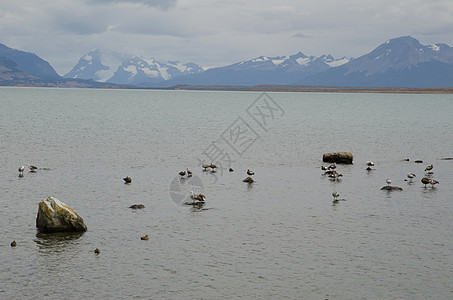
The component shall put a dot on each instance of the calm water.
(280, 238)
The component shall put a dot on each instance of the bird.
(231, 170)
(97, 251)
(369, 165)
(21, 170)
(433, 182)
(197, 197)
(206, 166)
(189, 173)
(32, 168)
(13, 244)
(213, 167)
(145, 237)
(411, 176)
(250, 173)
(127, 179)
(335, 196)
(425, 181)
(323, 168)
(389, 181)
(335, 175)
(182, 173)
(429, 168)
(332, 166)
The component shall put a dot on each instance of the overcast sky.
(217, 33)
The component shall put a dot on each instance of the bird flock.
(334, 175)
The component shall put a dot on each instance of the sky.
(217, 33)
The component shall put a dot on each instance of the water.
(280, 238)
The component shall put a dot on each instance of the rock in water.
(391, 188)
(55, 216)
(338, 157)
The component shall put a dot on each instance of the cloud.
(162, 4)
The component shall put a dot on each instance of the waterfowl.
(32, 168)
(231, 170)
(429, 168)
(335, 196)
(411, 176)
(433, 182)
(127, 179)
(13, 244)
(248, 180)
(389, 181)
(250, 173)
(97, 251)
(21, 170)
(182, 173)
(206, 166)
(145, 237)
(189, 173)
(425, 181)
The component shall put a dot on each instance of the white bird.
(389, 181)
(335, 196)
(411, 176)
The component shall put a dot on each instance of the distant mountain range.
(399, 62)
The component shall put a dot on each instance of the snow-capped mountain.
(111, 67)
(399, 62)
(98, 65)
(263, 70)
(141, 71)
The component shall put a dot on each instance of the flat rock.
(338, 157)
(391, 188)
(55, 216)
(249, 180)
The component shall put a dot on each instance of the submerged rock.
(55, 216)
(338, 157)
(391, 188)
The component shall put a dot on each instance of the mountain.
(12, 74)
(97, 65)
(30, 63)
(105, 66)
(399, 62)
(262, 70)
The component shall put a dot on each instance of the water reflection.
(56, 242)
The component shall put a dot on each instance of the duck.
(127, 179)
(182, 173)
(189, 173)
(205, 166)
(433, 182)
(250, 173)
(145, 237)
(411, 176)
(13, 244)
(97, 251)
(335, 197)
(32, 168)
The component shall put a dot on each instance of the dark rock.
(338, 157)
(447, 158)
(137, 206)
(391, 188)
(418, 161)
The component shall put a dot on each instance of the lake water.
(279, 238)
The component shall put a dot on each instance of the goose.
(433, 182)
(425, 181)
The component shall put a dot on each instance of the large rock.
(338, 157)
(55, 216)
